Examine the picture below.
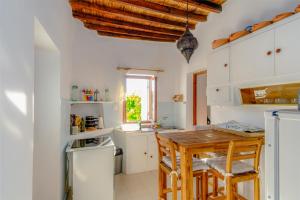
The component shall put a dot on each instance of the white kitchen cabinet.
(218, 68)
(219, 95)
(140, 151)
(252, 59)
(152, 161)
(287, 45)
(136, 153)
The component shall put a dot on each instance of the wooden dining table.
(196, 142)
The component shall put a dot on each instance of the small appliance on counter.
(91, 168)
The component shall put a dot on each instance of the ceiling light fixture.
(187, 43)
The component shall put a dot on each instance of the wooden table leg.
(186, 166)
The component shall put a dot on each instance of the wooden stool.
(233, 170)
(169, 165)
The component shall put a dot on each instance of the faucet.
(140, 125)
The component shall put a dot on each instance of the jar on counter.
(75, 96)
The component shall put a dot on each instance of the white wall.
(47, 131)
(17, 85)
(16, 97)
(56, 18)
(95, 59)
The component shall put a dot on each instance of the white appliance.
(282, 155)
(91, 172)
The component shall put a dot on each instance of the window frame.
(152, 99)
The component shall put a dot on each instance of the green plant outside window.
(133, 108)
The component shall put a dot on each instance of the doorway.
(200, 108)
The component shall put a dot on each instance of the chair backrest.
(166, 147)
(244, 150)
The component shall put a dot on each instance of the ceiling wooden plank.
(130, 32)
(110, 22)
(203, 5)
(157, 8)
(77, 4)
(102, 33)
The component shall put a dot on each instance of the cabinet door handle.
(226, 65)
(269, 53)
(217, 90)
(278, 50)
(145, 153)
(151, 156)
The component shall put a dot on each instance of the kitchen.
(90, 61)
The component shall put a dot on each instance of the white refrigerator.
(282, 155)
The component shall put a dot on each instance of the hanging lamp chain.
(187, 13)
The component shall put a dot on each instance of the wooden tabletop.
(202, 138)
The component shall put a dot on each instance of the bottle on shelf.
(75, 93)
(82, 125)
(107, 96)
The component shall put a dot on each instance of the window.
(140, 101)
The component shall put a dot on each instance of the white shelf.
(90, 134)
(89, 102)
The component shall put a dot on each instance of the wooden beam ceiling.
(194, 5)
(204, 5)
(94, 19)
(78, 4)
(154, 20)
(130, 32)
(127, 36)
(160, 9)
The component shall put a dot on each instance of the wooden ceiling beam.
(102, 33)
(110, 22)
(157, 8)
(78, 4)
(130, 32)
(203, 5)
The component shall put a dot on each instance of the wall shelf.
(90, 102)
(283, 94)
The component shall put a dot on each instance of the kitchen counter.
(149, 131)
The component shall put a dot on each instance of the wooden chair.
(169, 165)
(233, 170)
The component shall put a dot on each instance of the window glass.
(140, 98)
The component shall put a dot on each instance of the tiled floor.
(144, 186)
(141, 186)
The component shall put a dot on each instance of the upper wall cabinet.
(218, 68)
(287, 48)
(253, 58)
